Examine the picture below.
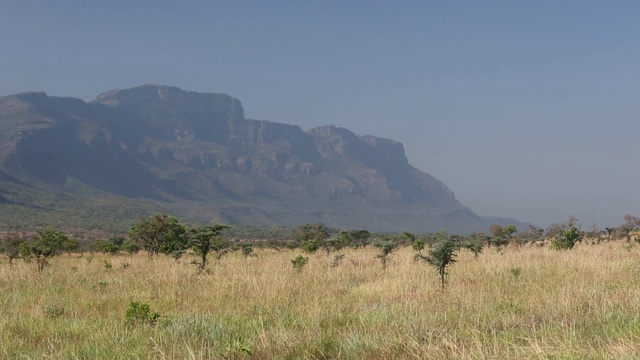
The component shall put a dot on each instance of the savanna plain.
(524, 302)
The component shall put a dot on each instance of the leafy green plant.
(205, 239)
(568, 237)
(311, 236)
(442, 255)
(359, 238)
(69, 245)
(107, 264)
(15, 248)
(47, 243)
(140, 314)
(418, 246)
(516, 272)
(247, 249)
(407, 238)
(475, 243)
(159, 234)
(299, 262)
(115, 245)
(501, 235)
(386, 247)
(336, 242)
(310, 246)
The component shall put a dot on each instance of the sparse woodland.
(169, 291)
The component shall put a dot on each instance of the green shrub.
(475, 246)
(417, 245)
(299, 262)
(568, 237)
(386, 246)
(140, 314)
(107, 264)
(515, 272)
(247, 249)
(442, 255)
(310, 246)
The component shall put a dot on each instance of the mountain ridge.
(194, 155)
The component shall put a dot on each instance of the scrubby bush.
(140, 314)
(205, 239)
(386, 246)
(568, 237)
(47, 243)
(442, 255)
(299, 262)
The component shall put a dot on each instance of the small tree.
(205, 239)
(47, 243)
(15, 248)
(475, 243)
(129, 247)
(418, 246)
(159, 234)
(106, 247)
(140, 314)
(509, 230)
(115, 245)
(386, 246)
(247, 249)
(69, 245)
(336, 242)
(501, 235)
(310, 237)
(359, 238)
(407, 238)
(630, 225)
(569, 236)
(299, 262)
(442, 255)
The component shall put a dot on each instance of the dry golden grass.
(524, 303)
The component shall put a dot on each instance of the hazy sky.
(526, 109)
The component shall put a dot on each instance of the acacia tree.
(359, 238)
(569, 236)
(69, 245)
(205, 239)
(475, 242)
(47, 243)
(336, 242)
(501, 235)
(442, 254)
(386, 247)
(630, 225)
(14, 248)
(310, 237)
(159, 234)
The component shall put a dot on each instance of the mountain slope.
(148, 149)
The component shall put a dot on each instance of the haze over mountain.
(148, 149)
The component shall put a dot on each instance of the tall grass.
(523, 303)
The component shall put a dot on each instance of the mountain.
(101, 165)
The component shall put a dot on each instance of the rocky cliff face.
(195, 155)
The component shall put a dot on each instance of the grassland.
(523, 303)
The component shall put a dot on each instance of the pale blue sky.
(524, 109)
